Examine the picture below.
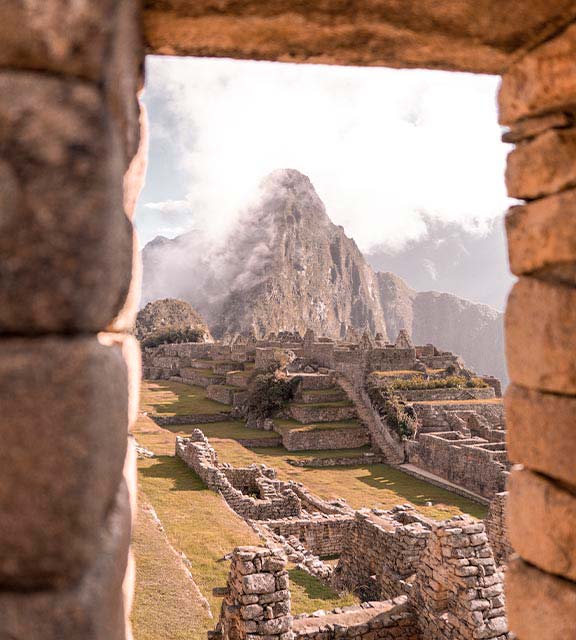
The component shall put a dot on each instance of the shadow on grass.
(172, 468)
(314, 589)
(417, 492)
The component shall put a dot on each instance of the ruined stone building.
(72, 157)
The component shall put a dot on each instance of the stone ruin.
(415, 576)
(459, 441)
(454, 589)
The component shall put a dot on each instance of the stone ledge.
(542, 522)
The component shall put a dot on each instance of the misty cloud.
(470, 262)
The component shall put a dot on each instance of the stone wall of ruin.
(458, 590)
(381, 552)
(323, 535)
(497, 528)
(71, 168)
(469, 463)
(257, 600)
(348, 438)
(276, 499)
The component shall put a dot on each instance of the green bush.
(174, 337)
(268, 393)
(398, 415)
(449, 382)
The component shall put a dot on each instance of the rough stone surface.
(65, 242)
(542, 166)
(542, 522)
(539, 605)
(542, 431)
(92, 608)
(542, 237)
(541, 336)
(540, 82)
(464, 34)
(64, 407)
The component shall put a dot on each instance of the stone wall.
(323, 535)
(418, 395)
(381, 551)
(275, 499)
(318, 439)
(536, 102)
(471, 463)
(71, 168)
(458, 591)
(497, 529)
(390, 620)
(257, 600)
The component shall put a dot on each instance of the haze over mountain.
(285, 265)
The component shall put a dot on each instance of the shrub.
(268, 393)
(174, 337)
(399, 416)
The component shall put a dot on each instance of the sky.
(396, 155)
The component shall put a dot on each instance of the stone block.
(259, 583)
(92, 608)
(531, 127)
(539, 606)
(540, 82)
(540, 327)
(542, 522)
(541, 432)
(542, 237)
(65, 242)
(64, 407)
(543, 166)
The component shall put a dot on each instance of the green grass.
(196, 520)
(309, 594)
(285, 426)
(167, 604)
(170, 398)
(376, 485)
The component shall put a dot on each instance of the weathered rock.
(541, 81)
(539, 605)
(541, 336)
(64, 406)
(542, 238)
(65, 242)
(259, 583)
(543, 166)
(92, 608)
(541, 431)
(542, 522)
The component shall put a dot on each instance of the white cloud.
(379, 145)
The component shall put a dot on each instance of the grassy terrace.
(291, 425)
(472, 401)
(197, 523)
(173, 398)
(324, 404)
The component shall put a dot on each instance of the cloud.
(379, 145)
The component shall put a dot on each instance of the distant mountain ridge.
(286, 266)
